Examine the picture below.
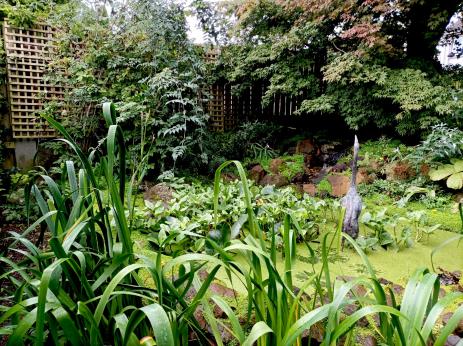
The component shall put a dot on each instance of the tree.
(373, 62)
(138, 56)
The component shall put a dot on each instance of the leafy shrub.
(292, 165)
(142, 60)
(442, 144)
(391, 188)
(86, 287)
(253, 140)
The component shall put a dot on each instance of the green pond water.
(396, 266)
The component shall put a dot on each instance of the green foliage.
(87, 287)
(140, 58)
(24, 13)
(383, 149)
(442, 144)
(252, 140)
(76, 289)
(190, 212)
(14, 206)
(292, 166)
(340, 60)
(324, 187)
(395, 231)
(453, 173)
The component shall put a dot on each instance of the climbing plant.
(138, 55)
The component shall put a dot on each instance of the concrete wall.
(25, 152)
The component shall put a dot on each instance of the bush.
(238, 144)
(442, 144)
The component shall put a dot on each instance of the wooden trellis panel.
(27, 57)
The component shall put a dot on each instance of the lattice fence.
(27, 58)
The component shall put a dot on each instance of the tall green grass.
(88, 286)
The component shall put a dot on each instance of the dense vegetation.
(91, 286)
(348, 59)
(143, 227)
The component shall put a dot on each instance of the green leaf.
(455, 181)
(458, 165)
(441, 172)
(257, 331)
(160, 323)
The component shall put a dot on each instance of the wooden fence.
(27, 58)
(227, 109)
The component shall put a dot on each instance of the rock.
(224, 329)
(339, 168)
(291, 150)
(199, 316)
(449, 278)
(274, 179)
(397, 289)
(359, 291)
(345, 278)
(365, 340)
(222, 290)
(228, 177)
(340, 184)
(305, 147)
(299, 178)
(384, 281)
(275, 164)
(349, 309)
(159, 192)
(452, 340)
(445, 319)
(458, 197)
(363, 322)
(364, 177)
(304, 296)
(327, 148)
(257, 173)
(316, 332)
(309, 189)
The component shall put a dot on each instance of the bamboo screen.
(26, 52)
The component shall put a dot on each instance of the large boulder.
(276, 180)
(275, 165)
(256, 173)
(340, 184)
(305, 147)
(309, 189)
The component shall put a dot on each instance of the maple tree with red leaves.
(371, 62)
